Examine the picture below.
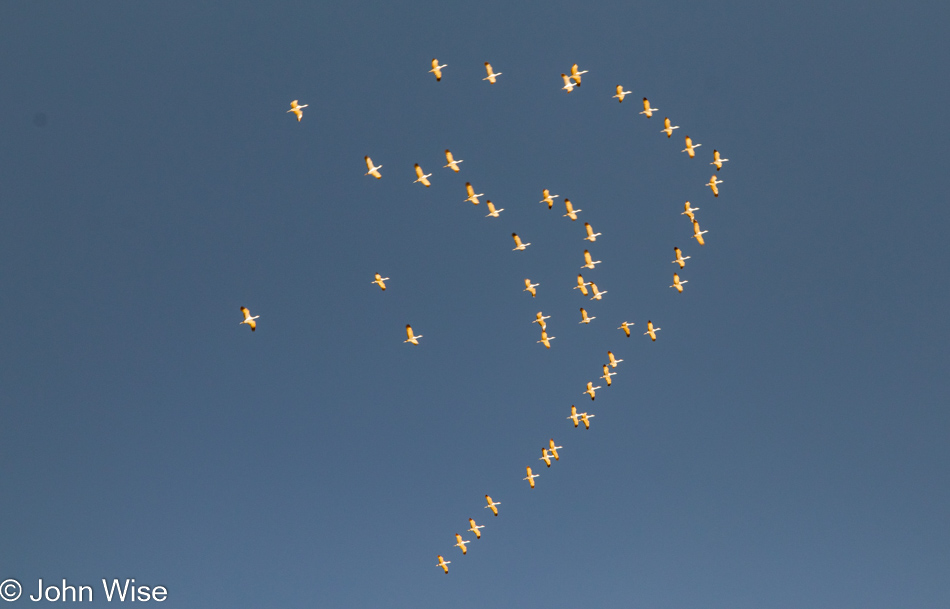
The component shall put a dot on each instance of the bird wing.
(590, 231)
(376, 174)
(469, 189)
(488, 69)
(619, 90)
(369, 163)
(568, 206)
(516, 238)
(425, 182)
(449, 158)
(587, 257)
(409, 332)
(418, 171)
(247, 313)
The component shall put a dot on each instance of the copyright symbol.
(10, 590)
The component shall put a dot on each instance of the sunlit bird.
(677, 283)
(613, 360)
(621, 93)
(588, 262)
(688, 211)
(545, 339)
(576, 75)
(680, 260)
(373, 171)
(568, 83)
(625, 326)
(471, 194)
(597, 293)
(474, 528)
(414, 339)
(548, 198)
(518, 244)
(437, 69)
(553, 449)
(591, 390)
(420, 177)
(698, 234)
(460, 543)
(491, 505)
(444, 563)
(584, 318)
(581, 285)
(713, 184)
(451, 161)
(583, 416)
(690, 147)
(668, 127)
(530, 287)
(492, 212)
(491, 75)
(380, 281)
(651, 330)
(571, 212)
(531, 476)
(591, 235)
(607, 375)
(647, 109)
(545, 457)
(539, 319)
(248, 319)
(717, 161)
(297, 109)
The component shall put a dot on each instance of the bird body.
(690, 147)
(647, 109)
(471, 194)
(613, 360)
(571, 212)
(380, 281)
(474, 528)
(584, 318)
(553, 449)
(414, 339)
(608, 374)
(491, 74)
(248, 319)
(420, 177)
(297, 109)
(679, 257)
(444, 563)
(491, 505)
(518, 244)
(373, 171)
(717, 161)
(545, 339)
(589, 263)
(651, 331)
(597, 293)
(460, 543)
(591, 390)
(677, 283)
(451, 161)
(539, 319)
(530, 287)
(581, 285)
(548, 198)
(698, 234)
(492, 212)
(625, 326)
(668, 128)
(712, 184)
(621, 93)
(591, 235)
(437, 69)
(530, 477)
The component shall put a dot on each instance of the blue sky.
(782, 443)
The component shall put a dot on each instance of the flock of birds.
(589, 289)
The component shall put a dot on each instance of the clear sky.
(783, 444)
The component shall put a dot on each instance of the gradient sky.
(783, 444)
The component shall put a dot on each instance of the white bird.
(518, 244)
(581, 285)
(698, 234)
(584, 318)
(471, 193)
(297, 109)
(690, 147)
(583, 416)
(460, 543)
(545, 457)
(625, 326)
(491, 75)
(492, 212)
(545, 339)
(597, 293)
(712, 184)
(530, 477)
(373, 171)
(539, 319)
(607, 375)
(679, 257)
(571, 212)
(444, 563)
(553, 449)
(668, 128)
(412, 337)
(474, 528)
(529, 287)
(621, 93)
(568, 83)
(689, 211)
(591, 235)
(647, 109)
(586, 419)
(575, 75)
(451, 161)
(437, 69)
(677, 283)
(613, 360)
(651, 330)
(717, 161)
(420, 177)
(588, 262)
(591, 390)
(380, 281)
(491, 505)
(548, 198)
(574, 415)
(248, 319)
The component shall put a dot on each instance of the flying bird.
(571, 212)
(492, 212)
(621, 93)
(553, 449)
(597, 293)
(548, 198)
(608, 374)
(471, 194)
(451, 161)
(647, 109)
(717, 161)
(581, 285)
(697, 234)
(373, 171)
(591, 235)
(545, 457)
(690, 147)
(591, 390)
(530, 477)
(545, 339)
(586, 419)
(491, 505)
(584, 318)
(568, 83)
(420, 177)
(539, 319)
(297, 109)
(588, 262)
(491, 75)
(474, 528)
(437, 69)
(529, 287)
(679, 257)
(412, 337)
(651, 331)
(668, 128)
(712, 184)
(518, 244)
(460, 543)
(677, 283)
(248, 319)
(689, 211)
(575, 75)
(613, 360)
(625, 326)
(444, 563)
(380, 281)
(574, 416)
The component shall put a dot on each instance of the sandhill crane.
(717, 161)
(647, 109)
(545, 457)
(373, 171)
(607, 375)
(518, 244)
(492, 212)
(539, 319)
(679, 257)
(677, 283)
(460, 543)
(591, 390)
(437, 69)
(613, 360)
(444, 563)
(591, 235)
(583, 416)
(545, 339)
(380, 281)
(548, 198)
(597, 293)
(651, 331)
(625, 326)
(491, 75)
(412, 337)
(248, 319)
(420, 177)
(474, 528)
(491, 505)
(471, 194)
(588, 262)
(688, 211)
(668, 128)
(529, 287)
(690, 147)
(581, 285)
(584, 318)
(451, 161)
(575, 75)
(621, 93)
(571, 212)
(698, 234)
(712, 184)
(553, 449)
(568, 83)
(531, 476)
(297, 109)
